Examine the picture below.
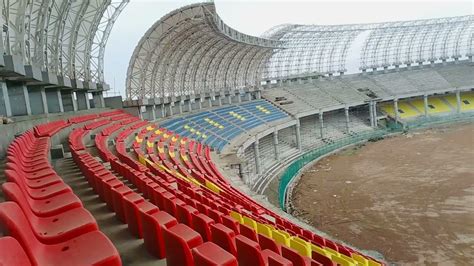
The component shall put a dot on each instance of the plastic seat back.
(179, 240)
(248, 252)
(210, 254)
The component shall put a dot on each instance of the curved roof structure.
(64, 37)
(191, 50)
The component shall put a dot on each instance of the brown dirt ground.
(409, 197)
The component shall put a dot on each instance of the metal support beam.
(275, 145)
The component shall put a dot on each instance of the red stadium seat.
(153, 224)
(202, 224)
(184, 214)
(92, 248)
(248, 232)
(179, 240)
(210, 254)
(11, 253)
(268, 243)
(57, 228)
(43, 208)
(224, 237)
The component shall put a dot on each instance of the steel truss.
(191, 50)
(65, 37)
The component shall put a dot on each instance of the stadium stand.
(217, 127)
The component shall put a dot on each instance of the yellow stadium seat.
(341, 261)
(264, 230)
(374, 263)
(280, 237)
(360, 259)
(320, 250)
(213, 187)
(237, 216)
(249, 222)
(301, 246)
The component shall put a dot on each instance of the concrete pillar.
(346, 112)
(219, 100)
(321, 124)
(74, 101)
(190, 106)
(44, 102)
(162, 110)
(98, 99)
(256, 151)
(180, 107)
(395, 107)
(371, 114)
(374, 109)
(239, 97)
(259, 95)
(153, 112)
(171, 108)
(458, 101)
(199, 104)
(249, 96)
(209, 100)
(425, 104)
(298, 136)
(27, 99)
(275, 145)
(82, 100)
(5, 99)
(60, 100)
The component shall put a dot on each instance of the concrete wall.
(113, 102)
(36, 102)
(53, 101)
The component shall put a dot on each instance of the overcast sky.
(257, 16)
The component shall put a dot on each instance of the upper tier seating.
(217, 127)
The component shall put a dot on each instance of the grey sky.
(255, 17)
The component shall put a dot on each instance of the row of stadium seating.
(178, 203)
(408, 109)
(217, 127)
(265, 228)
(45, 221)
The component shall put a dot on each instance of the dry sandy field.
(409, 197)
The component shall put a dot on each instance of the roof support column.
(219, 100)
(180, 107)
(190, 106)
(395, 107)
(298, 135)
(229, 99)
(82, 100)
(371, 114)
(60, 101)
(256, 150)
(425, 104)
(458, 101)
(171, 104)
(209, 101)
(199, 104)
(153, 112)
(275, 145)
(346, 112)
(374, 110)
(5, 100)
(321, 124)
(162, 110)
(44, 102)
